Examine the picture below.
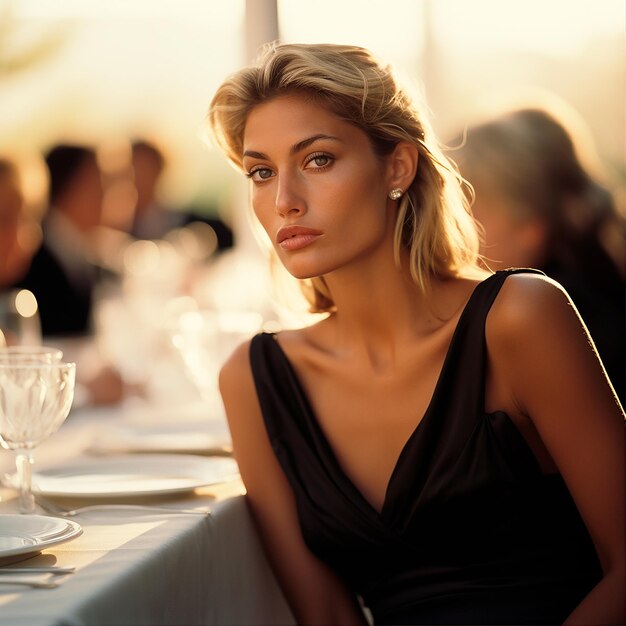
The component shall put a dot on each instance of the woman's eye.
(319, 161)
(260, 174)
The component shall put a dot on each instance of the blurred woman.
(541, 207)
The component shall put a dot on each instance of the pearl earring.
(396, 193)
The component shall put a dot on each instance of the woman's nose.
(289, 199)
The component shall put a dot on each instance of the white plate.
(23, 534)
(133, 475)
(207, 438)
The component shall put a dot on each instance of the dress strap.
(464, 370)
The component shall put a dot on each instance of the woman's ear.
(402, 165)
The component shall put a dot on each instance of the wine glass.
(35, 399)
(30, 354)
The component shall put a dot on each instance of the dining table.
(171, 557)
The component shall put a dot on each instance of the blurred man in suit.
(61, 274)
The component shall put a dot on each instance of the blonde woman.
(444, 446)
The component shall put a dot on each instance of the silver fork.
(57, 509)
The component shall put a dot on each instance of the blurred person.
(151, 220)
(62, 275)
(19, 232)
(20, 235)
(444, 444)
(542, 207)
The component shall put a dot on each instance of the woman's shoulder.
(236, 367)
(528, 304)
(537, 346)
(522, 293)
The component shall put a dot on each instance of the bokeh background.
(164, 310)
(103, 71)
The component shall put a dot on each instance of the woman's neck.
(380, 313)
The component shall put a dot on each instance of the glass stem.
(24, 465)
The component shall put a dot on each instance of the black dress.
(470, 531)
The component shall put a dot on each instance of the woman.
(444, 444)
(542, 206)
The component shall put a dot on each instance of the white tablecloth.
(140, 567)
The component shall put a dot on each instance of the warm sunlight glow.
(184, 10)
(557, 27)
(393, 28)
(120, 68)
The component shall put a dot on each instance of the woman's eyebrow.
(301, 145)
(255, 155)
(305, 143)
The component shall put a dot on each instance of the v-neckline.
(380, 514)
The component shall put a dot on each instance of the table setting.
(36, 392)
(132, 513)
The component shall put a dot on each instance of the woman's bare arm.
(316, 595)
(555, 379)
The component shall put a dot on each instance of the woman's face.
(317, 187)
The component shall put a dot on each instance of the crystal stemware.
(30, 354)
(35, 399)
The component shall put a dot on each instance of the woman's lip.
(294, 237)
(298, 241)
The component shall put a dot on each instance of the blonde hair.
(434, 224)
